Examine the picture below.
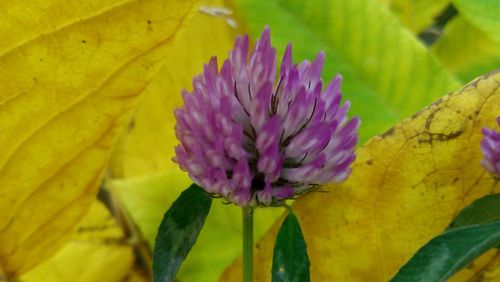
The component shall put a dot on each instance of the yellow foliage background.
(87, 91)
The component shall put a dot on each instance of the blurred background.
(396, 57)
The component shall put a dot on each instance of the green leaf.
(483, 210)
(485, 14)
(178, 232)
(290, 260)
(466, 50)
(446, 254)
(388, 73)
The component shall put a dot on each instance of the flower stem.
(247, 244)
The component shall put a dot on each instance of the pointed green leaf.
(483, 210)
(449, 252)
(485, 14)
(178, 232)
(388, 74)
(290, 260)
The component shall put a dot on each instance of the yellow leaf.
(98, 251)
(484, 269)
(70, 74)
(406, 187)
(492, 272)
(148, 146)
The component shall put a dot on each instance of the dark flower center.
(258, 182)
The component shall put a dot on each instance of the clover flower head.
(490, 145)
(257, 138)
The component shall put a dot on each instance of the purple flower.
(490, 145)
(254, 141)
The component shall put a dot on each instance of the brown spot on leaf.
(150, 28)
(131, 125)
(470, 266)
(415, 115)
(439, 101)
(429, 119)
(429, 138)
(388, 133)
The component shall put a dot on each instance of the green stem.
(247, 244)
